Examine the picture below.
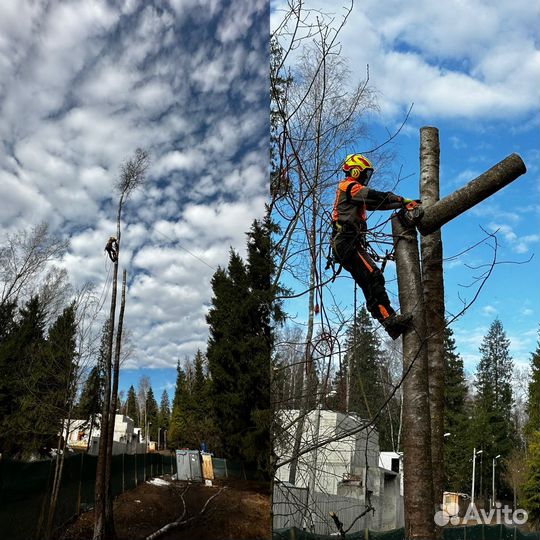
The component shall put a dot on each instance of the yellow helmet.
(356, 164)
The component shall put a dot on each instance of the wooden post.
(433, 289)
(418, 478)
(488, 183)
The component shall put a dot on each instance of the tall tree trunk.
(418, 473)
(112, 412)
(433, 288)
(104, 522)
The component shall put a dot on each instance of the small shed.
(188, 465)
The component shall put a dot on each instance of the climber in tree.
(112, 248)
(349, 223)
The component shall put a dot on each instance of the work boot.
(396, 324)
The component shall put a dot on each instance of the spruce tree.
(366, 377)
(132, 409)
(91, 397)
(241, 319)
(152, 414)
(23, 352)
(164, 417)
(456, 445)
(7, 328)
(531, 489)
(492, 426)
(178, 423)
(58, 386)
(533, 397)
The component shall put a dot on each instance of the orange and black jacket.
(353, 200)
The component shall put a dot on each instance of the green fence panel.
(88, 482)
(116, 475)
(66, 505)
(129, 471)
(476, 532)
(220, 467)
(395, 534)
(22, 491)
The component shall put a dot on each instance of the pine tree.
(492, 426)
(533, 398)
(132, 409)
(456, 445)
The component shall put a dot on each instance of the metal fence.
(476, 532)
(228, 468)
(24, 487)
(295, 507)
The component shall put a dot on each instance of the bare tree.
(24, 259)
(132, 174)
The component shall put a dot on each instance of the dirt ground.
(241, 511)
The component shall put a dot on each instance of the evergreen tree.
(492, 426)
(7, 329)
(132, 409)
(241, 319)
(56, 385)
(22, 351)
(531, 489)
(456, 446)
(533, 398)
(164, 416)
(366, 377)
(152, 413)
(91, 399)
(178, 424)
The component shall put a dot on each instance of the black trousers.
(349, 249)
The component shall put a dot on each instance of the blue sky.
(472, 69)
(82, 84)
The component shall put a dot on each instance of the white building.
(340, 467)
(126, 438)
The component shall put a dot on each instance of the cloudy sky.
(472, 69)
(82, 85)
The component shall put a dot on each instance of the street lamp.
(447, 434)
(475, 453)
(493, 479)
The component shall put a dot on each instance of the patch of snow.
(158, 482)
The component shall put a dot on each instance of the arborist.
(349, 244)
(112, 248)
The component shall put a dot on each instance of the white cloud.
(82, 84)
(489, 311)
(519, 244)
(438, 56)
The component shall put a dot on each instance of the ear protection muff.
(355, 172)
